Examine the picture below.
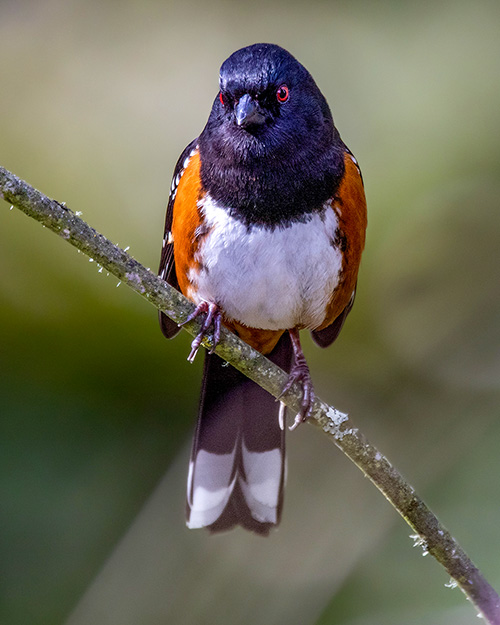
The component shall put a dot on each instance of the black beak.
(248, 112)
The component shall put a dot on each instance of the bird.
(264, 232)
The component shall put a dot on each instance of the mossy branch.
(433, 537)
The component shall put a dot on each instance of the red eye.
(221, 99)
(282, 93)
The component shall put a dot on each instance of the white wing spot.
(355, 162)
(177, 179)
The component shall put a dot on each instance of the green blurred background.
(97, 100)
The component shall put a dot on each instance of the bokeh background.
(97, 100)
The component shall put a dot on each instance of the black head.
(270, 139)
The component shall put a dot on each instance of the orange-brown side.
(350, 207)
(186, 220)
(263, 341)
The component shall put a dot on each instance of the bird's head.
(268, 104)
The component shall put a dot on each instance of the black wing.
(167, 263)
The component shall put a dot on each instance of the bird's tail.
(237, 467)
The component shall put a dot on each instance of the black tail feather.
(237, 469)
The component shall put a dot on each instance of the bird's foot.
(300, 373)
(213, 318)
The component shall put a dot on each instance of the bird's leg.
(300, 373)
(213, 317)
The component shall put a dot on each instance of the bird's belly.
(268, 278)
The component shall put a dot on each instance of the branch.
(430, 534)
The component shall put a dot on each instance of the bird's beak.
(248, 112)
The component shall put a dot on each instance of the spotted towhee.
(264, 232)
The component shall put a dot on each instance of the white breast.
(270, 279)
